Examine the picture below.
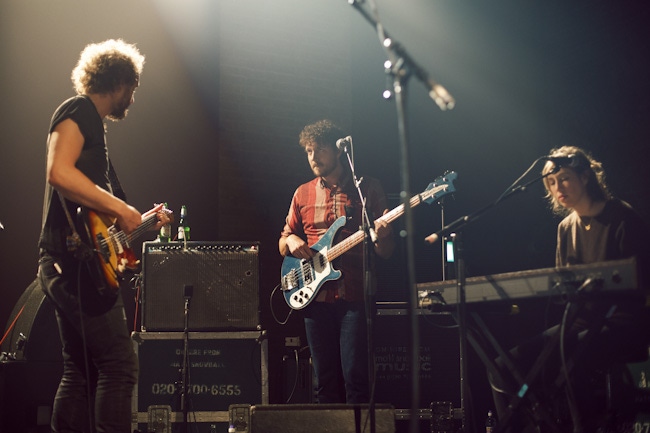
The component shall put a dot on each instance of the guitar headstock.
(442, 186)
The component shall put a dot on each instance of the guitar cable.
(136, 281)
(278, 321)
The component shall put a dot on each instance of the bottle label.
(181, 233)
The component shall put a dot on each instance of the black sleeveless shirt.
(93, 162)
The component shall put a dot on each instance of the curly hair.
(324, 133)
(596, 186)
(106, 66)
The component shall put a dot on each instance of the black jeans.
(100, 365)
(337, 340)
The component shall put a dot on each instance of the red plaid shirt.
(314, 208)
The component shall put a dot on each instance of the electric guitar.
(301, 279)
(111, 255)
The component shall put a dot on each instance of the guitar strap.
(73, 242)
(116, 186)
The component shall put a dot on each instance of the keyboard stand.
(510, 376)
(526, 394)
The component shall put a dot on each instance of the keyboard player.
(596, 227)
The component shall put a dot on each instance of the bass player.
(335, 323)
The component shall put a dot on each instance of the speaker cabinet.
(30, 374)
(320, 418)
(439, 366)
(220, 279)
(32, 333)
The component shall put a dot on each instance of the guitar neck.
(356, 238)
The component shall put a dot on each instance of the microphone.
(432, 238)
(440, 95)
(344, 143)
(570, 161)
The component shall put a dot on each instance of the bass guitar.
(111, 255)
(301, 279)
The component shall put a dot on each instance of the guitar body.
(302, 279)
(112, 254)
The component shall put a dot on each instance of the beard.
(115, 116)
(322, 171)
(118, 113)
(120, 110)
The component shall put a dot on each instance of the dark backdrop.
(229, 84)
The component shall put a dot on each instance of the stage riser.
(319, 419)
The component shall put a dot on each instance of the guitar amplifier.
(219, 280)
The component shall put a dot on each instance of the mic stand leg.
(185, 367)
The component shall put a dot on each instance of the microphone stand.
(185, 373)
(443, 254)
(466, 219)
(401, 69)
(454, 230)
(369, 238)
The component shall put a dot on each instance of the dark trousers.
(336, 333)
(100, 365)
